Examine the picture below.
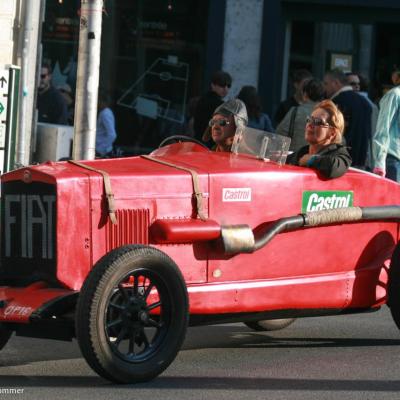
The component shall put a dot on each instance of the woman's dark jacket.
(331, 161)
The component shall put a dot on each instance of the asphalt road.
(346, 357)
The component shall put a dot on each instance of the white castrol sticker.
(236, 194)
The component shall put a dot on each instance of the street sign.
(4, 77)
(3, 81)
(9, 95)
(2, 136)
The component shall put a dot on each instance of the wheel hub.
(135, 313)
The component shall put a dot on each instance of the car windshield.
(263, 145)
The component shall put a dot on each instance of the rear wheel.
(5, 335)
(270, 324)
(393, 292)
(132, 314)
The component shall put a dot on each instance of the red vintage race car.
(123, 254)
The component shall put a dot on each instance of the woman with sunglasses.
(324, 134)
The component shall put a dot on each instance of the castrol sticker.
(326, 200)
(236, 194)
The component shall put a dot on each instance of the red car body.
(56, 228)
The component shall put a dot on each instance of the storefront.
(158, 54)
(153, 60)
(318, 35)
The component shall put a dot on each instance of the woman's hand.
(379, 171)
(303, 160)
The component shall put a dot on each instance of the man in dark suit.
(357, 114)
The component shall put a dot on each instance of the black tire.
(5, 335)
(181, 138)
(270, 324)
(132, 314)
(393, 291)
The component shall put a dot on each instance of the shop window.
(158, 65)
(60, 33)
(152, 61)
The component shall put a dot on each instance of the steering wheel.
(181, 138)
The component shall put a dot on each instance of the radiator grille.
(132, 228)
(28, 232)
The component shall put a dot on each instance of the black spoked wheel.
(181, 138)
(270, 324)
(132, 314)
(5, 335)
(393, 291)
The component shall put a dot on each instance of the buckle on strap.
(198, 194)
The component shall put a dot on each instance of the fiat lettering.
(28, 211)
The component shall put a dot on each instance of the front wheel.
(132, 314)
(270, 324)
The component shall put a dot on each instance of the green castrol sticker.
(327, 200)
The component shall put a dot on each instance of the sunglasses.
(43, 76)
(220, 122)
(316, 122)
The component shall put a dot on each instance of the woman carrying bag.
(294, 123)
